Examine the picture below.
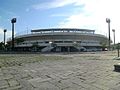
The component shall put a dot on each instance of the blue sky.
(36, 14)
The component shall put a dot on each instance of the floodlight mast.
(108, 21)
(13, 21)
(114, 36)
(5, 30)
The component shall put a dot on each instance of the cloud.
(94, 15)
(60, 15)
(56, 4)
(1, 34)
(8, 34)
(1, 30)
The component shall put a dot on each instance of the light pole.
(13, 21)
(108, 21)
(114, 37)
(5, 30)
(118, 47)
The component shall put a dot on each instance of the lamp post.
(118, 47)
(13, 21)
(114, 37)
(5, 30)
(108, 21)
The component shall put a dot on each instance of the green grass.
(8, 60)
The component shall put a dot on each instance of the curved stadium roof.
(64, 29)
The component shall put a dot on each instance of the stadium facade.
(60, 40)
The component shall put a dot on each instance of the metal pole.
(12, 36)
(114, 37)
(13, 21)
(4, 35)
(4, 38)
(109, 34)
(118, 49)
(108, 21)
(118, 52)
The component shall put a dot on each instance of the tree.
(2, 46)
(103, 45)
(8, 46)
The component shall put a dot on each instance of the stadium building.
(60, 40)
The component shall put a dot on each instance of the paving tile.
(47, 86)
(14, 88)
(7, 76)
(82, 72)
(36, 81)
(3, 84)
(13, 82)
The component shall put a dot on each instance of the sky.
(38, 14)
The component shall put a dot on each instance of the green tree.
(103, 45)
(2, 46)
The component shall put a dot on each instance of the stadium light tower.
(108, 21)
(114, 36)
(5, 30)
(13, 21)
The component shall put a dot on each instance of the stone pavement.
(80, 72)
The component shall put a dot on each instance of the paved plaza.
(85, 71)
